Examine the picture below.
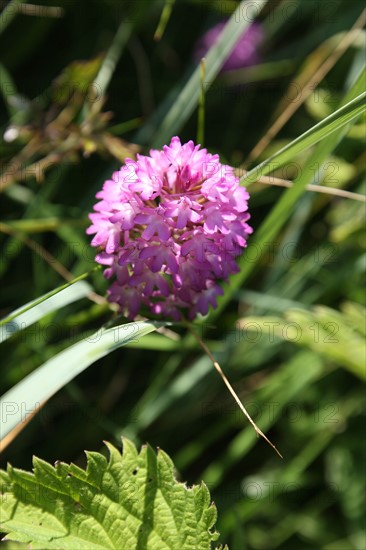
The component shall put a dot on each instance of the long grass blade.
(283, 209)
(32, 392)
(337, 120)
(25, 316)
(163, 127)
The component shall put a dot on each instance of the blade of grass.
(34, 303)
(46, 224)
(258, 431)
(278, 214)
(257, 73)
(274, 392)
(155, 401)
(315, 188)
(164, 19)
(123, 127)
(7, 89)
(112, 57)
(309, 86)
(25, 316)
(26, 397)
(161, 128)
(334, 122)
(297, 378)
(201, 106)
(298, 465)
(9, 13)
(283, 209)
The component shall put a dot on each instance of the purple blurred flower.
(168, 227)
(244, 54)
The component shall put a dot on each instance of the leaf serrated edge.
(60, 472)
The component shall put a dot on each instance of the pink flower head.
(168, 228)
(244, 54)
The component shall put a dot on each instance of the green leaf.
(27, 396)
(132, 501)
(36, 309)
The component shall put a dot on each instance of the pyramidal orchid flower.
(246, 51)
(168, 228)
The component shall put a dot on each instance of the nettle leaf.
(130, 501)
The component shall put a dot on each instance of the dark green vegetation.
(299, 373)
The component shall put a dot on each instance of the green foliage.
(77, 77)
(305, 262)
(339, 336)
(188, 97)
(130, 501)
(50, 377)
(332, 123)
(35, 310)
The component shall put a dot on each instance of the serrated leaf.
(130, 501)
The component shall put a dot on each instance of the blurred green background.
(62, 136)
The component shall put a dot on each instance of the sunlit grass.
(303, 268)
